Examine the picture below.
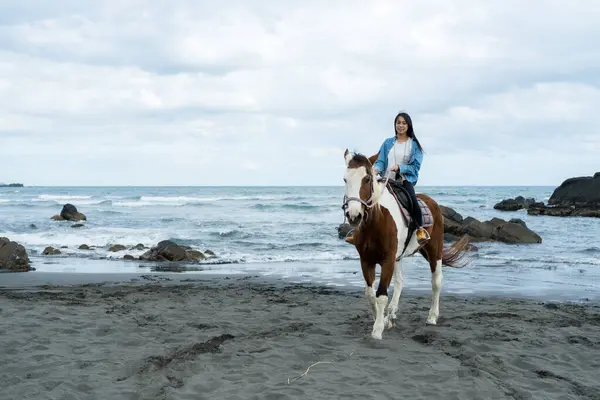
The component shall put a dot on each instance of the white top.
(399, 154)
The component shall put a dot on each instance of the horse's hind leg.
(398, 285)
(436, 286)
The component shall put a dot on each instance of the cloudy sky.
(190, 93)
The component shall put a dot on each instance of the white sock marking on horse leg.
(378, 326)
(370, 295)
(436, 286)
(398, 285)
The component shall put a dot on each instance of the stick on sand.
(306, 372)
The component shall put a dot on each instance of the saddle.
(405, 203)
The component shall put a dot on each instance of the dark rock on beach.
(13, 257)
(69, 213)
(575, 197)
(168, 250)
(516, 204)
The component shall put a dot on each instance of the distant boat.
(11, 185)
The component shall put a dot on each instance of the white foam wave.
(101, 238)
(45, 197)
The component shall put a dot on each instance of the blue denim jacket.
(410, 170)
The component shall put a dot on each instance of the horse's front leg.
(387, 271)
(398, 285)
(368, 270)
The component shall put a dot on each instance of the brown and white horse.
(380, 232)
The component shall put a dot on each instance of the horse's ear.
(347, 157)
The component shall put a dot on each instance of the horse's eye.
(368, 178)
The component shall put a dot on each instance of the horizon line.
(263, 186)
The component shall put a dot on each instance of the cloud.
(194, 93)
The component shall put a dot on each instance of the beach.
(180, 336)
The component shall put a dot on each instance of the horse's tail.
(454, 256)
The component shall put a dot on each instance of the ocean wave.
(289, 206)
(554, 260)
(591, 250)
(62, 197)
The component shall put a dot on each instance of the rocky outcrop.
(575, 197)
(516, 204)
(13, 257)
(167, 250)
(513, 231)
(69, 213)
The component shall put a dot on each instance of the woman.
(402, 154)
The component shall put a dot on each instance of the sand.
(243, 338)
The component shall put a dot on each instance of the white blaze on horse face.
(354, 178)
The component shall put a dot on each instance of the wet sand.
(245, 338)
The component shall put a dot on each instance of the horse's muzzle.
(354, 219)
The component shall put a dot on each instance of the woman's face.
(401, 126)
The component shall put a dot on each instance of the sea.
(290, 233)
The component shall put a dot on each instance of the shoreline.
(535, 284)
(254, 337)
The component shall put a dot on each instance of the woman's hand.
(395, 168)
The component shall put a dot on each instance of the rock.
(33, 226)
(518, 203)
(138, 246)
(495, 230)
(13, 257)
(518, 221)
(168, 250)
(69, 213)
(84, 247)
(116, 247)
(128, 257)
(575, 197)
(209, 253)
(50, 251)
(77, 225)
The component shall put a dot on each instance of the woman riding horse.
(401, 156)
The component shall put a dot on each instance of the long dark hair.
(411, 131)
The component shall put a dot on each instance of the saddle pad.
(427, 216)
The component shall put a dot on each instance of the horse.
(382, 236)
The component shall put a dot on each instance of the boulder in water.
(575, 197)
(69, 213)
(168, 250)
(516, 204)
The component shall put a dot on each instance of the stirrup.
(426, 238)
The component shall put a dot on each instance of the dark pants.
(416, 210)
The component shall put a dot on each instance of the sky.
(269, 92)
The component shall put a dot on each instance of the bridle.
(367, 204)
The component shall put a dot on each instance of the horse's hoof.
(390, 324)
(431, 321)
(376, 336)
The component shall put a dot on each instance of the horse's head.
(361, 191)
